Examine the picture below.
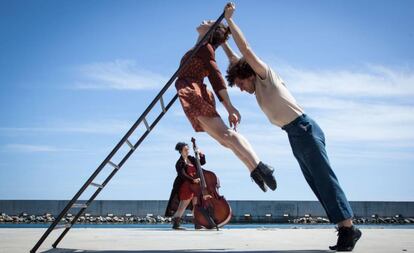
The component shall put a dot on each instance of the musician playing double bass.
(184, 193)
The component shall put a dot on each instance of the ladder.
(124, 141)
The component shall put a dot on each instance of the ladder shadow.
(61, 250)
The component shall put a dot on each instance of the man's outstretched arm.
(231, 55)
(257, 65)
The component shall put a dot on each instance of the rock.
(322, 220)
(40, 219)
(160, 219)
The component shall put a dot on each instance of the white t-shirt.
(275, 100)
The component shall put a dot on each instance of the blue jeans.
(308, 145)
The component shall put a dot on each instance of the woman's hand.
(234, 118)
(207, 196)
(234, 115)
(196, 180)
(229, 10)
(200, 153)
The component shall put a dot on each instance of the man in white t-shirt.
(306, 138)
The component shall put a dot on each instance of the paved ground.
(132, 240)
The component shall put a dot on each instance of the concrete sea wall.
(256, 210)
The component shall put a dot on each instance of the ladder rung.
(76, 205)
(97, 185)
(162, 105)
(146, 124)
(130, 144)
(68, 225)
(113, 165)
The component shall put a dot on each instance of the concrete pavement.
(137, 240)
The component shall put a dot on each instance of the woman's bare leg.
(194, 202)
(225, 143)
(227, 137)
(181, 208)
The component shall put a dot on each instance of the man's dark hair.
(240, 69)
(220, 35)
(179, 147)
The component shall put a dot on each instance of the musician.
(183, 195)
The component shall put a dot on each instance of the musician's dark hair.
(179, 146)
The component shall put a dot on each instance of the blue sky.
(75, 75)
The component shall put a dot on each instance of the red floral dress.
(194, 96)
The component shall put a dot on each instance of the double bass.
(212, 210)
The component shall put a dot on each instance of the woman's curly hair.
(240, 69)
(220, 35)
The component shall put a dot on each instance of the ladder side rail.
(114, 171)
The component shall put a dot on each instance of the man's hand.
(229, 10)
(196, 180)
(234, 118)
